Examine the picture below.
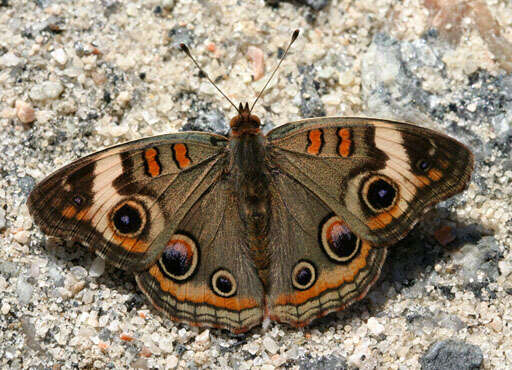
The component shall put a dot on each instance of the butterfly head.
(245, 123)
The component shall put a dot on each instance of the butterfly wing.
(318, 265)
(379, 176)
(205, 276)
(126, 201)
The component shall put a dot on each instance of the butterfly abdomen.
(251, 186)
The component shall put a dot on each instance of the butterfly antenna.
(184, 48)
(294, 37)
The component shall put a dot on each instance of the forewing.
(126, 201)
(380, 176)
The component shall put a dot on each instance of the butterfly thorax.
(250, 184)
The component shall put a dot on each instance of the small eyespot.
(78, 200)
(339, 243)
(179, 259)
(128, 218)
(303, 275)
(223, 283)
(423, 165)
(380, 193)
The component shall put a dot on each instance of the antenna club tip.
(295, 35)
(184, 47)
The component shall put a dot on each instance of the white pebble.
(505, 267)
(252, 348)
(88, 297)
(172, 362)
(24, 290)
(203, 338)
(60, 56)
(124, 98)
(25, 112)
(270, 345)
(5, 308)
(168, 4)
(46, 90)
(9, 60)
(374, 326)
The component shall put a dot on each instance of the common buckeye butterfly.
(228, 231)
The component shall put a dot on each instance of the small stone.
(5, 308)
(77, 287)
(126, 337)
(172, 362)
(203, 339)
(270, 345)
(78, 272)
(451, 355)
(60, 56)
(9, 60)
(88, 297)
(145, 352)
(22, 237)
(24, 290)
(46, 90)
(375, 327)
(168, 4)
(253, 348)
(257, 58)
(323, 363)
(25, 112)
(124, 98)
(97, 267)
(505, 268)
(200, 358)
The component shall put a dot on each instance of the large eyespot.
(339, 243)
(223, 283)
(180, 258)
(128, 218)
(303, 275)
(379, 193)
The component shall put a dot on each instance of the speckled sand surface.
(76, 76)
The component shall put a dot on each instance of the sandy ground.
(76, 76)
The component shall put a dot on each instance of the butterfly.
(228, 232)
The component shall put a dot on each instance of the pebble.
(172, 362)
(22, 237)
(46, 90)
(25, 112)
(203, 339)
(375, 327)
(24, 290)
(450, 354)
(253, 348)
(9, 60)
(88, 297)
(270, 345)
(60, 56)
(78, 272)
(257, 58)
(97, 267)
(6, 307)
